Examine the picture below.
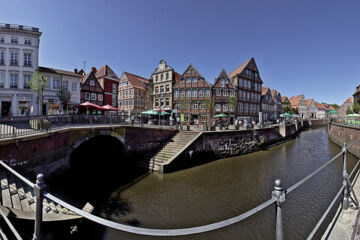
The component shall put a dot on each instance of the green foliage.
(349, 110)
(356, 107)
(210, 106)
(335, 106)
(38, 83)
(232, 101)
(64, 95)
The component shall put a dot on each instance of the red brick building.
(246, 79)
(224, 95)
(109, 81)
(91, 90)
(191, 92)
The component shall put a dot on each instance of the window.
(65, 85)
(176, 93)
(231, 108)
(113, 102)
(126, 93)
(240, 107)
(202, 106)
(27, 41)
(207, 93)
(188, 93)
(225, 107)
(201, 93)
(194, 80)
(225, 92)
(161, 102)
(223, 82)
(241, 82)
(156, 78)
(195, 105)
(218, 107)
(2, 40)
(232, 93)
(114, 88)
(100, 97)
(92, 82)
(27, 78)
(167, 76)
(167, 102)
(248, 96)
(246, 107)
(182, 93)
(186, 117)
(2, 79)
(130, 92)
(87, 96)
(161, 77)
(188, 80)
(194, 93)
(73, 86)
(13, 59)
(167, 88)
(203, 118)
(93, 97)
(2, 58)
(218, 92)
(161, 89)
(156, 102)
(56, 83)
(157, 90)
(14, 40)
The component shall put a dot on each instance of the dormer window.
(92, 83)
(14, 40)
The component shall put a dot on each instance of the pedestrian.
(132, 118)
(178, 122)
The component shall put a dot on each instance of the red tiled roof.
(319, 105)
(239, 69)
(294, 101)
(263, 90)
(283, 98)
(177, 76)
(103, 71)
(136, 80)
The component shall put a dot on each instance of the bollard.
(344, 181)
(38, 191)
(279, 195)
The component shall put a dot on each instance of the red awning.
(111, 108)
(91, 105)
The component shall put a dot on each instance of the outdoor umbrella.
(353, 115)
(220, 115)
(295, 115)
(90, 105)
(150, 112)
(285, 115)
(164, 113)
(333, 111)
(110, 108)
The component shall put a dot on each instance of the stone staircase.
(154, 161)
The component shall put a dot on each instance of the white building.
(56, 79)
(19, 58)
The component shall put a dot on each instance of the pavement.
(345, 224)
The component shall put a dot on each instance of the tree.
(356, 107)
(349, 110)
(232, 101)
(64, 95)
(335, 106)
(209, 105)
(37, 84)
(286, 106)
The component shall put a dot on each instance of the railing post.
(344, 181)
(279, 195)
(38, 191)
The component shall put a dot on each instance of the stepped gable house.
(162, 80)
(191, 92)
(91, 90)
(224, 95)
(109, 81)
(246, 79)
(133, 93)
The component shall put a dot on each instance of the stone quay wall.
(341, 134)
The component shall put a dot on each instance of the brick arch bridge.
(49, 152)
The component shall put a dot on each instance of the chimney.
(75, 70)
(93, 69)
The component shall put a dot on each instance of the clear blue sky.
(310, 47)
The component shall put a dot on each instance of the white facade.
(19, 58)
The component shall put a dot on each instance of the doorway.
(5, 108)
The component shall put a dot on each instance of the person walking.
(178, 122)
(132, 118)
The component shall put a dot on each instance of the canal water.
(226, 188)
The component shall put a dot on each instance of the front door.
(5, 108)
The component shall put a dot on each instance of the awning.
(91, 105)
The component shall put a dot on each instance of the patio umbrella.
(164, 113)
(110, 108)
(220, 115)
(353, 115)
(285, 115)
(150, 112)
(90, 105)
(295, 115)
(333, 111)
